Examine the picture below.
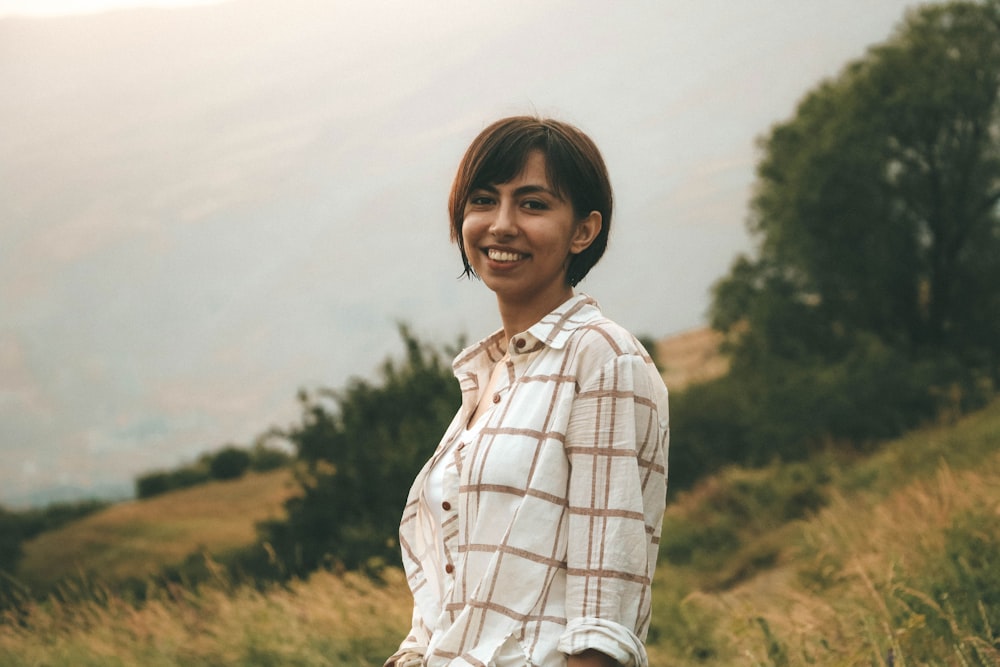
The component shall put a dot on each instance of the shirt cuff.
(405, 659)
(612, 639)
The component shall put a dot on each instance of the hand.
(590, 658)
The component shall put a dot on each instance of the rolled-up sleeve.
(616, 444)
(411, 650)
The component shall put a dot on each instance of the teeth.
(504, 255)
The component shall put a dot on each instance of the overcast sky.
(203, 209)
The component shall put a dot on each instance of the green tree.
(876, 206)
(873, 298)
(358, 450)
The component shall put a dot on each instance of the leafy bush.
(788, 410)
(264, 458)
(162, 481)
(358, 451)
(229, 463)
(152, 484)
(11, 536)
(708, 429)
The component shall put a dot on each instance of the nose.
(504, 223)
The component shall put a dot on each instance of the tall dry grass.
(900, 567)
(328, 620)
(870, 583)
(863, 582)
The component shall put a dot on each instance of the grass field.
(137, 538)
(327, 620)
(887, 560)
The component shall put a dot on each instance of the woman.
(530, 537)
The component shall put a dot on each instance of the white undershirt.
(434, 491)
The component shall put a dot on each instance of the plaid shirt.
(552, 512)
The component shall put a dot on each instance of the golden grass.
(850, 585)
(860, 557)
(138, 538)
(843, 592)
(327, 620)
(690, 357)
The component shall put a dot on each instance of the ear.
(585, 231)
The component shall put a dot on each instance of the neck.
(517, 317)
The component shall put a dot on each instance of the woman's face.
(519, 235)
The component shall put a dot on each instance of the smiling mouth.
(504, 255)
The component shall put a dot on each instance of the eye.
(535, 205)
(480, 200)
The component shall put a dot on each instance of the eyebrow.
(523, 190)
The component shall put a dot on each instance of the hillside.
(137, 538)
(691, 356)
(890, 557)
(830, 562)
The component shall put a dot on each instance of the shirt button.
(519, 343)
(496, 397)
(449, 568)
(446, 506)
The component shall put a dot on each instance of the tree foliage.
(872, 301)
(11, 537)
(876, 206)
(358, 452)
(229, 463)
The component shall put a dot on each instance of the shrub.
(229, 463)
(708, 429)
(152, 484)
(11, 536)
(358, 451)
(264, 458)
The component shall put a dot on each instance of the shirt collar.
(553, 331)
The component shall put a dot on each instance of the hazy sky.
(203, 209)
(71, 7)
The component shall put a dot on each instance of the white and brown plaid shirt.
(552, 514)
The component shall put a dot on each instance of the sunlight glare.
(48, 8)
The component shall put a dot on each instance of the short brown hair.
(573, 164)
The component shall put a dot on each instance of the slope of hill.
(690, 357)
(890, 557)
(137, 538)
(827, 562)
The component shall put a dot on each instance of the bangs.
(503, 161)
